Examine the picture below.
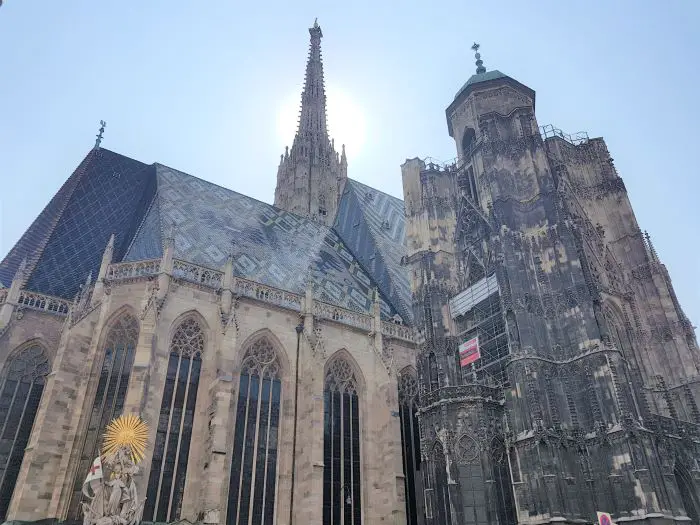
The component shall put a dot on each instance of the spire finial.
(101, 133)
(479, 63)
(650, 245)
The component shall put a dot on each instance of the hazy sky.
(211, 88)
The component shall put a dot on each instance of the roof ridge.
(355, 181)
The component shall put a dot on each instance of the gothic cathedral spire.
(311, 174)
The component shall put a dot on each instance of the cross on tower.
(479, 63)
(101, 133)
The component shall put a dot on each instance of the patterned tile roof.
(372, 224)
(108, 193)
(270, 246)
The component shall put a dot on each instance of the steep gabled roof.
(372, 224)
(108, 193)
(270, 246)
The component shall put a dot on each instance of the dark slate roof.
(372, 224)
(108, 193)
(270, 246)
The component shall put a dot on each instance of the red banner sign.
(469, 352)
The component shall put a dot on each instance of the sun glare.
(346, 120)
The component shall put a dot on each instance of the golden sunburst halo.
(128, 431)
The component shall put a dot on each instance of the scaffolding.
(477, 311)
(548, 131)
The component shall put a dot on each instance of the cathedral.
(502, 346)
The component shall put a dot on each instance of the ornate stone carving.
(188, 340)
(115, 501)
(466, 449)
(261, 359)
(340, 376)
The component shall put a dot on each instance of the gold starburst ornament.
(127, 431)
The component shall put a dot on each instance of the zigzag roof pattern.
(111, 193)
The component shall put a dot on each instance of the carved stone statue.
(114, 500)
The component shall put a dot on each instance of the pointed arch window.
(410, 442)
(117, 361)
(437, 498)
(341, 446)
(433, 372)
(254, 460)
(21, 385)
(166, 482)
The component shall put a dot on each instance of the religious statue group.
(114, 500)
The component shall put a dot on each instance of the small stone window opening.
(322, 210)
(468, 140)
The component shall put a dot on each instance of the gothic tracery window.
(166, 483)
(410, 441)
(254, 461)
(21, 384)
(117, 361)
(341, 446)
(437, 499)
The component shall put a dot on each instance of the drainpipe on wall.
(299, 329)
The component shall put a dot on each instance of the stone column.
(222, 394)
(98, 292)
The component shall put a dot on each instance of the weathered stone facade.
(233, 316)
(585, 395)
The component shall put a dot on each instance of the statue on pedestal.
(114, 499)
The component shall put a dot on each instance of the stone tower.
(311, 175)
(528, 245)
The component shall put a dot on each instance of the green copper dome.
(481, 77)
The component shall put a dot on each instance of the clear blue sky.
(199, 86)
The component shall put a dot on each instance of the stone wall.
(377, 352)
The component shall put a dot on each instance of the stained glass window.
(251, 493)
(21, 384)
(166, 483)
(410, 441)
(117, 361)
(341, 446)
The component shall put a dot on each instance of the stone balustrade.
(342, 315)
(397, 331)
(196, 274)
(44, 303)
(214, 279)
(128, 271)
(267, 294)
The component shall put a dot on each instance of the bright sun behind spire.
(128, 431)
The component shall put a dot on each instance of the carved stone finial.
(650, 245)
(480, 69)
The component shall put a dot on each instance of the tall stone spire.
(312, 119)
(311, 174)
